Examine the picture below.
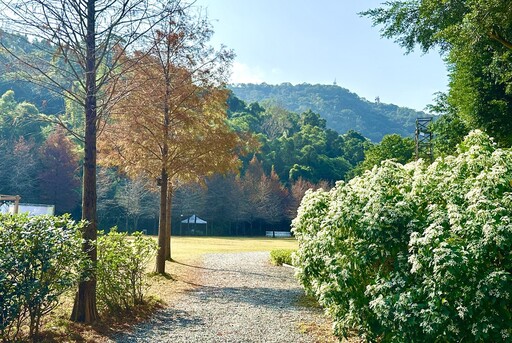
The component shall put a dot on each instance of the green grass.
(184, 248)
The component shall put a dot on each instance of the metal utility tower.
(423, 139)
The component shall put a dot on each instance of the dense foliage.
(40, 258)
(392, 147)
(416, 252)
(475, 37)
(39, 161)
(292, 152)
(297, 145)
(342, 110)
(279, 257)
(121, 269)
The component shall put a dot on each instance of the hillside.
(342, 109)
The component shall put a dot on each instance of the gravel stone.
(239, 298)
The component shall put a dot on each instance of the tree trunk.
(168, 256)
(84, 309)
(136, 223)
(162, 228)
(162, 225)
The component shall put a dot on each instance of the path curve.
(237, 298)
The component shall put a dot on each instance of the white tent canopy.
(193, 219)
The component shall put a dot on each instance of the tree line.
(283, 154)
(42, 165)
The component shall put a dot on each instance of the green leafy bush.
(280, 256)
(40, 258)
(121, 269)
(415, 253)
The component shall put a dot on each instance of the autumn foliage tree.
(171, 124)
(58, 177)
(274, 196)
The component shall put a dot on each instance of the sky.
(319, 42)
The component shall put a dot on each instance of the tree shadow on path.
(167, 321)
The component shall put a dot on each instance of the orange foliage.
(167, 121)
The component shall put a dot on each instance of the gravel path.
(237, 298)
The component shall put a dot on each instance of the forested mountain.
(44, 100)
(342, 109)
(296, 145)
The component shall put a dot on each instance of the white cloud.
(242, 73)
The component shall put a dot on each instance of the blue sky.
(319, 41)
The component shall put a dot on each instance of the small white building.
(34, 209)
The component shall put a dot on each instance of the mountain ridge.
(342, 109)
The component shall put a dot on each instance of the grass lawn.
(185, 248)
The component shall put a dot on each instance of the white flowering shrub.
(415, 253)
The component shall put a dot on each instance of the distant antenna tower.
(334, 83)
(423, 139)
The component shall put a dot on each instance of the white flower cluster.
(415, 253)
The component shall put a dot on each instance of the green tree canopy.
(392, 147)
(18, 118)
(475, 36)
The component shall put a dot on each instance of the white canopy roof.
(193, 220)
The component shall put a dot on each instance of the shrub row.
(121, 270)
(415, 253)
(41, 258)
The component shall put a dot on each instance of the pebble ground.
(235, 298)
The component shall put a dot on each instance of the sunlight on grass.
(184, 248)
